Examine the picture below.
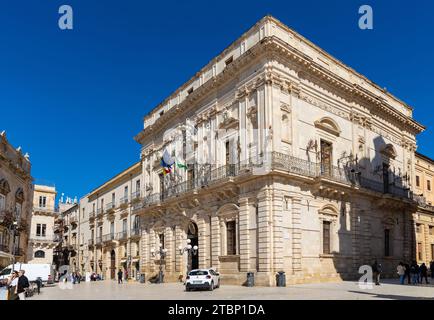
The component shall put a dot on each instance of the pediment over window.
(389, 151)
(19, 195)
(329, 210)
(329, 125)
(228, 123)
(4, 187)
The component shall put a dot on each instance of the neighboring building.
(42, 238)
(295, 163)
(66, 226)
(16, 196)
(424, 219)
(109, 231)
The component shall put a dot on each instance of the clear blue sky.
(75, 99)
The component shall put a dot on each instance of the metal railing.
(91, 214)
(99, 211)
(135, 232)
(110, 205)
(18, 252)
(4, 248)
(98, 239)
(208, 175)
(44, 238)
(136, 194)
(108, 237)
(123, 200)
(90, 242)
(122, 235)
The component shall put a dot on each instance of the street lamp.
(162, 253)
(191, 250)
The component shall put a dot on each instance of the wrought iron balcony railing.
(108, 237)
(207, 175)
(135, 232)
(136, 194)
(122, 235)
(123, 200)
(99, 211)
(110, 205)
(98, 239)
(91, 214)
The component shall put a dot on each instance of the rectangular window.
(138, 185)
(38, 229)
(112, 228)
(190, 91)
(93, 207)
(326, 237)
(126, 192)
(92, 234)
(124, 225)
(418, 228)
(18, 210)
(417, 181)
(113, 200)
(184, 144)
(419, 251)
(229, 61)
(428, 185)
(83, 214)
(2, 202)
(42, 202)
(231, 237)
(100, 231)
(326, 157)
(431, 231)
(41, 230)
(387, 242)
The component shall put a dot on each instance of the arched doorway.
(192, 234)
(112, 264)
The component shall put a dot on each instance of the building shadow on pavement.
(390, 296)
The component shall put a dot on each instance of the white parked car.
(202, 279)
(33, 272)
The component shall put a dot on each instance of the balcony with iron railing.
(44, 238)
(135, 232)
(123, 202)
(98, 240)
(136, 195)
(90, 242)
(108, 237)
(91, 215)
(99, 212)
(123, 235)
(278, 162)
(110, 207)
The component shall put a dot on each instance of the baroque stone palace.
(285, 160)
(16, 196)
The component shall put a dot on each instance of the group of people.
(95, 277)
(17, 285)
(414, 273)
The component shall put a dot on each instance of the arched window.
(39, 254)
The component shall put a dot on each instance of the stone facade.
(109, 229)
(424, 217)
(42, 239)
(16, 196)
(295, 163)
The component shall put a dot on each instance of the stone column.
(201, 224)
(215, 241)
(244, 235)
(264, 240)
(296, 234)
(144, 258)
(179, 261)
(277, 216)
(168, 244)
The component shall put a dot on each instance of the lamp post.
(191, 250)
(162, 253)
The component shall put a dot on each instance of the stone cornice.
(274, 47)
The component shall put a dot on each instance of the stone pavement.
(346, 290)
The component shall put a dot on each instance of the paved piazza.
(347, 290)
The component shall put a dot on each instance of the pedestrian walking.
(39, 284)
(23, 285)
(120, 276)
(407, 272)
(431, 268)
(12, 286)
(423, 271)
(376, 272)
(414, 272)
(401, 272)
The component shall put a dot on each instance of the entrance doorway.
(192, 234)
(112, 264)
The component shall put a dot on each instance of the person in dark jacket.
(119, 276)
(414, 272)
(407, 272)
(23, 284)
(423, 270)
(376, 272)
(431, 268)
